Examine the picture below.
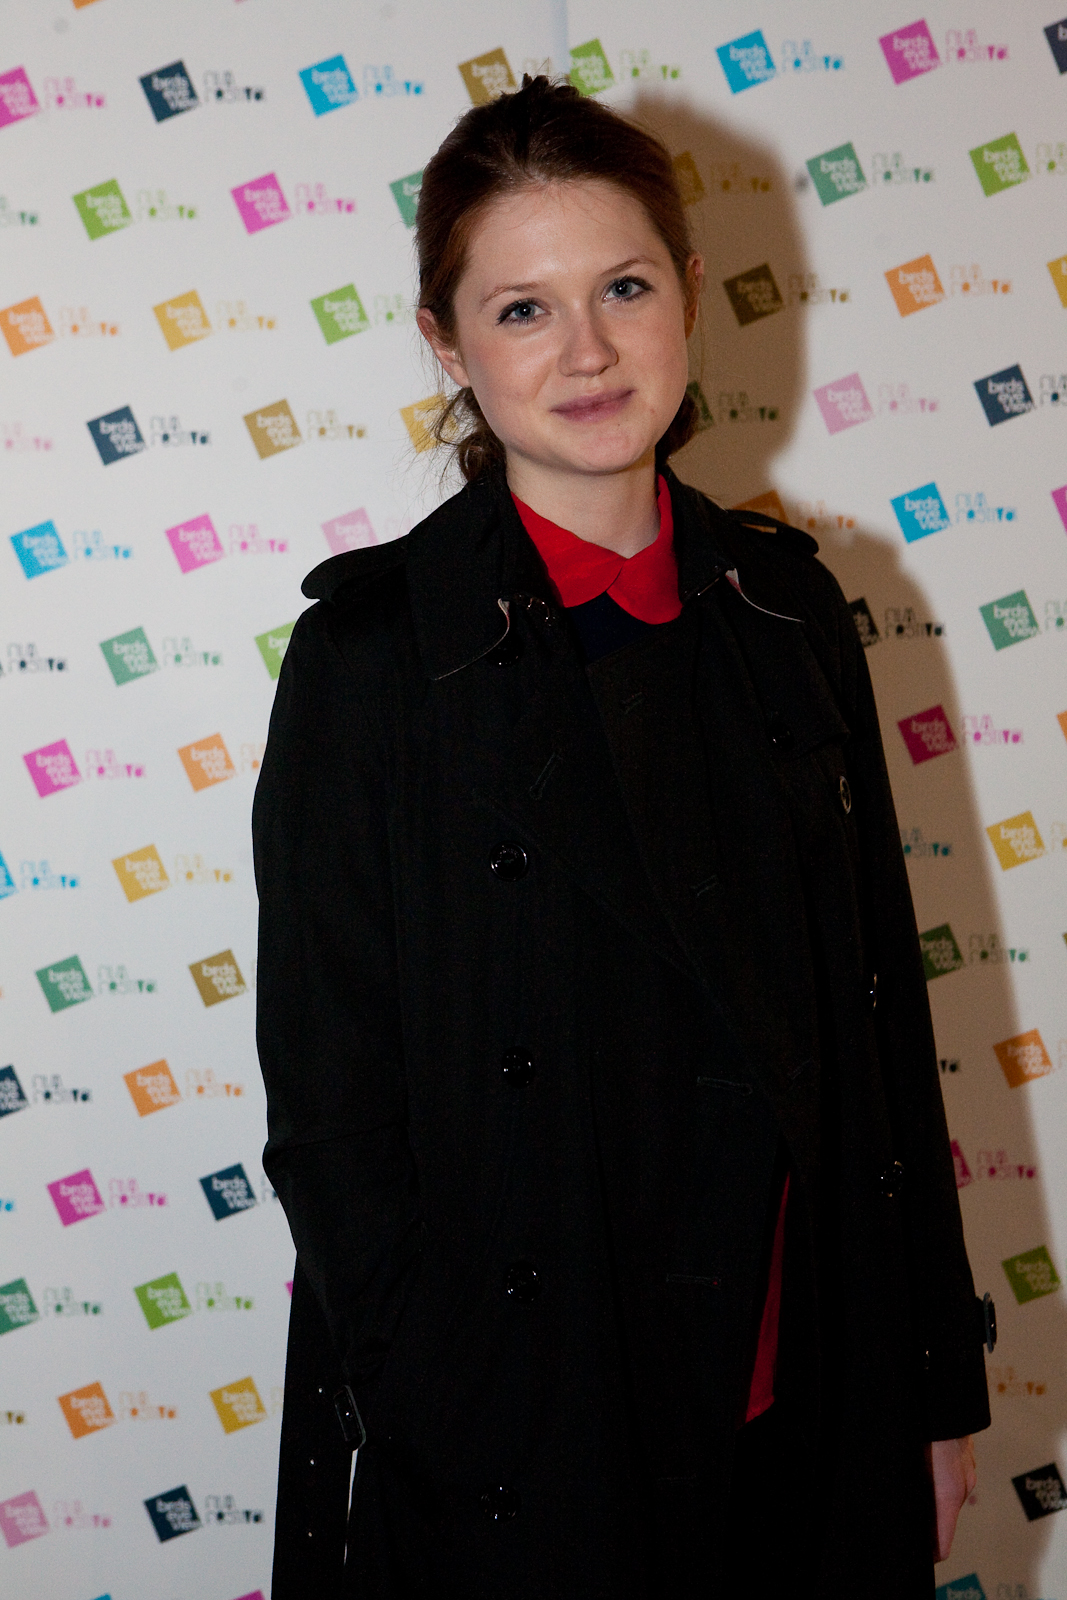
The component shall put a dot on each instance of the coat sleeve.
(328, 1013)
(946, 1312)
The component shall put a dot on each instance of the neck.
(616, 510)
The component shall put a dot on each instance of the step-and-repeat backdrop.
(210, 380)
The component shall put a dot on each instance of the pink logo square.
(76, 1197)
(261, 203)
(1059, 500)
(349, 532)
(52, 767)
(927, 734)
(910, 51)
(22, 1518)
(195, 543)
(257, 1594)
(17, 99)
(844, 403)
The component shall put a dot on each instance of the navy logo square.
(11, 1095)
(173, 1513)
(228, 1191)
(1004, 395)
(1056, 34)
(1041, 1492)
(169, 91)
(116, 435)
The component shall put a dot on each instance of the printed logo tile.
(261, 203)
(273, 429)
(1058, 269)
(173, 1513)
(129, 655)
(920, 512)
(746, 61)
(22, 1518)
(169, 91)
(353, 530)
(910, 51)
(86, 1410)
(11, 1095)
(964, 1176)
(419, 419)
(1010, 620)
(116, 435)
(152, 1088)
(1031, 1275)
(76, 1197)
(1041, 1492)
(487, 77)
(837, 174)
(64, 983)
(39, 549)
(273, 645)
(1000, 164)
(52, 767)
(687, 174)
(1016, 840)
(967, 1588)
(329, 85)
(183, 320)
(927, 734)
(940, 952)
(406, 193)
(753, 294)
(207, 761)
(17, 1309)
(195, 543)
(7, 882)
(238, 1405)
(141, 873)
(1004, 395)
(163, 1300)
(218, 978)
(17, 99)
(340, 314)
(590, 72)
(843, 403)
(1056, 34)
(1023, 1058)
(228, 1191)
(915, 285)
(25, 326)
(103, 209)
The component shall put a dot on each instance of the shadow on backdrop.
(754, 378)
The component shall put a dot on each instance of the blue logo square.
(116, 435)
(967, 1588)
(39, 549)
(11, 1095)
(920, 511)
(329, 85)
(228, 1191)
(173, 1513)
(169, 91)
(746, 61)
(1056, 34)
(7, 882)
(1004, 395)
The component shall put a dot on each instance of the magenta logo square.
(261, 203)
(844, 403)
(927, 734)
(349, 532)
(52, 767)
(76, 1197)
(17, 99)
(22, 1518)
(1059, 500)
(195, 543)
(910, 51)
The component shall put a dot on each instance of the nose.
(587, 351)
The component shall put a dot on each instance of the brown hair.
(543, 133)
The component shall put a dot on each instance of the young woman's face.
(571, 327)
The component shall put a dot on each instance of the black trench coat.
(558, 964)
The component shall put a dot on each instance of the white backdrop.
(209, 380)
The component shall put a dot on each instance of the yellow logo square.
(218, 977)
(690, 183)
(420, 418)
(273, 429)
(1058, 269)
(141, 873)
(1016, 840)
(487, 77)
(182, 319)
(238, 1405)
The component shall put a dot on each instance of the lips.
(594, 407)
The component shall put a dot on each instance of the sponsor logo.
(897, 397)
(163, 1300)
(22, 1518)
(962, 46)
(7, 882)
(909, 52)
(62, 94)
(76, 1198)
(218, 978)
(1056, 34)
(980, 730)
(383, 84)
(1004, 395)
(169, 91)
(11, 218)
(235, 316)
(959, 1162)
(52, 767)
(746, 61)
(1041, 1492)
(129, 655)
(488, 76)
(173, 1513)
(152, 1088)
(1023, 1058)
(128, 1192)
(639, 64)
(17, 99)
(105, 764)
(976, 508)
(152, 205)
(222, 85)
(11, 1095)
(967, 1588)
(178, 651)
(135, 1406)
(312, 200)
(329, 85)
(351, 531)
(940, 952)
(169, 431)
(51, 1090)
(590, 72)
(207, 762)
(927, 734)
(39, 549)
(86, 1410)
(916, 848)
(915, 285)
(103, 209)
(1031, 1275)
(223, 1508)
(843, 403)
(141, 873)
(116, 980)
(238, 1405)
(246, 540)
(987, 947)
(183, 320)
(837, 174)
(61, 1303)
(323, 426)
(804, 289)
(24, 660)
(25, 326)
(116, 435)
(195, 543)
(1004, 1381)
(17, 1308)
(340, 314)
(753, 294)
(419, 419)
(803, 57)
(272, 646)
(64, 983)
(213, 1297)
(920, 512)
(1000, 164)
(1010, 620)
(1016, 840)
(891, 168)
(273, 429)
(261, 203)
(405, 192)
(228, 1191)
(994, 1165)
(972, 281)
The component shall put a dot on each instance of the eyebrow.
(528, 288)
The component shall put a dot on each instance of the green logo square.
(1010, 620)
(103, 209)
(836, 174)
(273, 645)
(64, 983)
(1031, 1275)
(406, 194)
(340, 313)
(163, 1300)
(697, 395)
(590, 72)
(940, 952)
(1000, 164)
(129, 655)
(16, 1305)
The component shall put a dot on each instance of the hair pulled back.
(542, 133)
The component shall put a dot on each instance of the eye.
(519, 312)
(628, 288)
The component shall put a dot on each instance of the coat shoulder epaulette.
(343, 578)
(780, 535)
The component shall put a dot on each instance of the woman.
(602, 1093)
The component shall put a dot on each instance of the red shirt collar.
(645, 585)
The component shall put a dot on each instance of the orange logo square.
(1023, 1058)
(1058, 269)
(1062, 720)
(141, 873)
(419, 420)
(25, 326)
(152, 1088)
(86, 1410)
(238, 1405)
(915, 285)
(182, 319)
(207, 762)
(768, 503)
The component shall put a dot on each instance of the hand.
(950, 1463)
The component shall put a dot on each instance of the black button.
(501, 1503)
(892, 1180)
(522, 1283)
(781, 734)
(845, 792)
(509, 862)
(517, 1067)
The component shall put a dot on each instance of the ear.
(446, 354)
(694, 276)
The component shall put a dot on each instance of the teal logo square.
(406, 193)
(65, 983)
(837, 174)
(1010, 620)
(129, 656)
(940, 952)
